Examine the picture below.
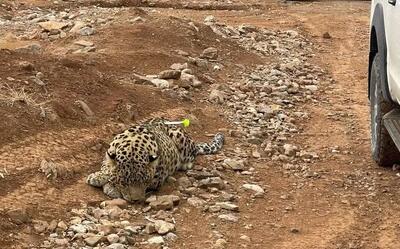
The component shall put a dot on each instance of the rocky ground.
(285, 82)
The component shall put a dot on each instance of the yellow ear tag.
(186, 122)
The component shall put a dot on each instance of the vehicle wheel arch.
(378, 45)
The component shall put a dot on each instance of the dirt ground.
(352, 204)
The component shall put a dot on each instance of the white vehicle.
(384, 81)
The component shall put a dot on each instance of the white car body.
(391, 15)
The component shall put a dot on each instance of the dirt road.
(308, 148)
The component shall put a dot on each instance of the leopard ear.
(152, 158)
(112, 156)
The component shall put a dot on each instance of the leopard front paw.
(96, 180)
(111, 191)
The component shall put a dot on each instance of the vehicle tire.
(384, 151)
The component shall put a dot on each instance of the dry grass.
(10, 96)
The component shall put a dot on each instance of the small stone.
(217, 96)
(184, 182)
(116, 246)
(209, 53)
(106, 229)
(39, 75)
(256, 154)
(61, 242)
(38, 81)
(220, 244)
(163, 227)
(150, 228)
(121, 203)
(181, 52)
(212, 182)
(99, 213)
(84, 43)
(312, 88)
(245, 238)
(86, 31)
(229, 217)
(85, 108)
(171, 237)
(33, 48)
(195, 202)
(18, 216)
(146, 209)
(52, 226)
(40, 226)
(169, 74)
(133, 229)
(179, 66)
(290, 150)
(77, 26)
(78, 228)
(112, 238)
(233, 164)
(255, 188)
(62, 225)
(294, 230)
(26, 65)
(228, 206)
(152, 198)
(189, 79)
(227, 196)
(114, 212)
(52, 25)
(125, 223)
(164, 204)
(209, 19)
(93, 240)
(156, 240)
(214, 209)
(326, 35)
(138, 19)
(160, 83)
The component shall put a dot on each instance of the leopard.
(141, 158)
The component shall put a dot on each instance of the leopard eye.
(152, 158)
